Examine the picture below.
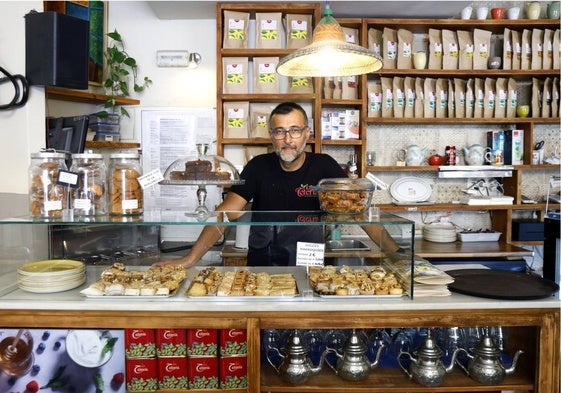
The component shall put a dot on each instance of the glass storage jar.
(47, 198)
(89, 198)
(125, 192)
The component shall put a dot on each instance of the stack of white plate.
(439, 233)
(49, 276)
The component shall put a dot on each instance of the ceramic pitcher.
(412, 155)
(475, 154)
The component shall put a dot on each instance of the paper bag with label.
(259, 114)
(451, 99)
(479, 95)
(236, 119)
(536, 61)
(460, 98)
(470, 98)
(507, 49)
(374, 99)
(389, 48)
(419, 98)
(441, 108)
(435, 49)
(399, 97)
(265, 77)
(555, 98)
(235, 29)
(409, 88)
(268, 30)
(235, 75)
(536, 98)
(375, 41)
(387, 97)
(482, 47)
(547, 49)
(512, 98)
(404, 49)
(430, 98)
(526, 57)
(465, 42)
(298, 30)
(546, 98)
(501, 94)
(516, 38)
(450, 50)
(489, 98)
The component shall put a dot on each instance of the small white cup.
(482, 13)
(466, 13)
(513, 13)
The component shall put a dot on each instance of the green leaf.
(58, 380)
(108, 345)
(98, 382)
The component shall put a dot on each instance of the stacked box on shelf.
(140, 359)
(202, 358)
(171, 350)
(233, 358)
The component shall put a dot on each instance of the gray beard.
(290, 159)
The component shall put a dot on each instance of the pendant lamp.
(329, 54)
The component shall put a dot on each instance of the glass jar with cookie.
(47, 198)
(125, 193)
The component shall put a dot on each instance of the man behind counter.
(278, 181)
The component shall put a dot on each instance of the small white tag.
(309, 254)
(85, 204)
(129, 204)
(151, 178)
(69, 179)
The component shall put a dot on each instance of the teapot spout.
(374, 364)
(316, 369)
(450, 367)
(511, 369)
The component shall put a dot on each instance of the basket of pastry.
(212, 282)
(375, 281)
(117, 280)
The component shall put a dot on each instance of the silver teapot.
(353, 364)
(295, 366)
(485, 365)
(427, 369)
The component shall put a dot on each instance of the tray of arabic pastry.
(212, 283)
(360, 282)
(152, 282)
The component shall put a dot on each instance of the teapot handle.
(457, 360)
(324, 355)
(401, 365)
(277, 368)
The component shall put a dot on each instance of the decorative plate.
(410, 189)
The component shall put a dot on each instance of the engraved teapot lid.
(295, 345)
(428, 348)
(486, 346)
(354, 344)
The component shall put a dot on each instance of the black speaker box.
(56, 50)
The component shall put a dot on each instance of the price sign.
(309, 254)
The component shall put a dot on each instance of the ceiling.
(205, 9)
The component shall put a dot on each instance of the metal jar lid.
(88, 154)
(125, 155)
(48, 154)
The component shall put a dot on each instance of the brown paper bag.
(259, 115)
(441, 108)
(526, 58)
(235, 73)
(389, 48)
(555, 98)
(536, 61)
(430, 98)
(547, 49)
(268, 30)
(404, 49)
(399, 97)
(298, 30)
(507, 49)
(489, 98)
(236, 119)
(479, 95)
(409, 87)
(546, 98)
(375, 41)
(482, 48)
(501, 95)
(300, 85)
(512, 99)
(451, 99)
(460, 98)
(465, 42)
(450, 50)
(387, 97)
(328, 87)
(253, 151)
(419, 98)
(536, 98)
(235, 29)
(470, 98)
(435, 49)
(338, 89)
(516, 38)
(374, 99)
(265, 77)
(350, 87)
(556, 49)
(351, 35)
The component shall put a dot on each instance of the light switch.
(172, 58)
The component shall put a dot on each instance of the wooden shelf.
(112, 145)
(57, 93)
(452, 120)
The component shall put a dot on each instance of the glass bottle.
(47, 199)
(89, 198)
(125, 192)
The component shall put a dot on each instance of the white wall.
(22, 130)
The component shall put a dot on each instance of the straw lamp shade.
(329, 54)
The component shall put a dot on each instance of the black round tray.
(501, 284)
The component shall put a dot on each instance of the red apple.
(436, 160)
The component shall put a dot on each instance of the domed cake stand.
(201, 212)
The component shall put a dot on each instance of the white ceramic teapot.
(412, 155)
(475, 154)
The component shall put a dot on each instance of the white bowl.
(85, 347)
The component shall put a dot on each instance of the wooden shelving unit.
(57, 93)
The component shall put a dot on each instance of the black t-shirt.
(273, 189)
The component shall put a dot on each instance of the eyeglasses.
(294, 132)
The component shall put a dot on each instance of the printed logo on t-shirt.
(305, 190)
